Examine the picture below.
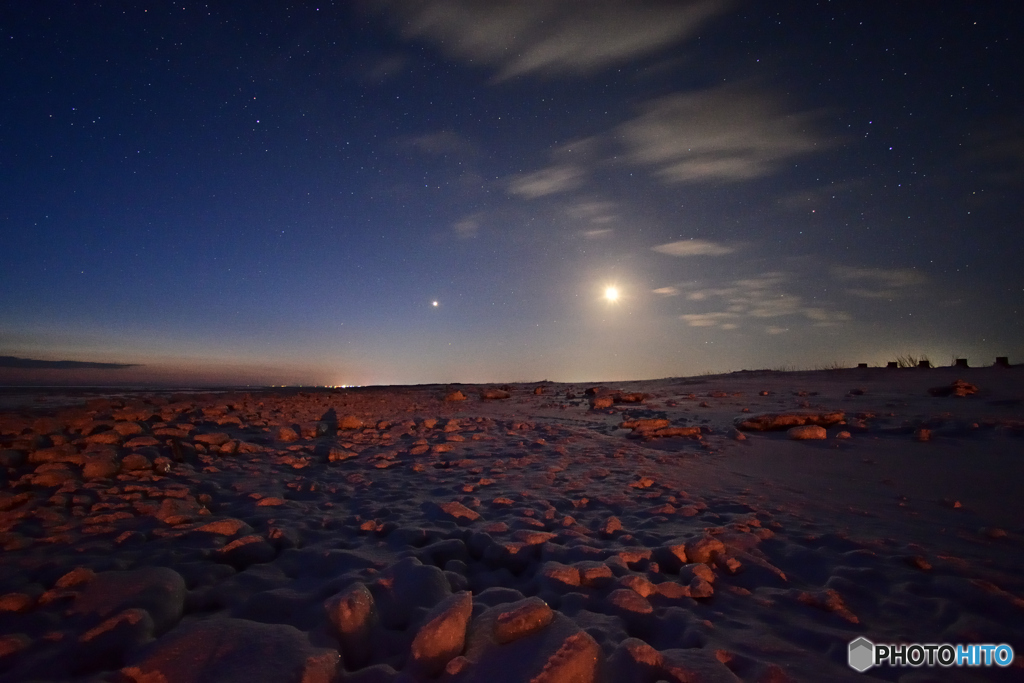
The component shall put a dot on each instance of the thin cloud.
(33, 364)
(468, 227)
(764, 282)
(759, 298)
(773, 308)
(596, 212)
(547, 181)
(727, 134)
(666, 291)
(598, 233)
(823, 317)
(694, 248)
(879, 283)
(722, 135)
(550, 37)
(706, 319)
(819, 197)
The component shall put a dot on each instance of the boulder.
(57, 476)
(556, 652)
(128, 428)
(230, 650)
(494, 394)
(109, 437)
(158, 590)
(64, 453)
(806, 433)
(957, 388)
(105, 645)
(287, 434)
(769, 422)
(136, 462)
(635, 660)
(75, 577)
(405, 588)
(704, 550)
(629, 601)
(645, 424)
(212, 439)
(443, 635)
(225, 527)
(251, 549)
(353, 614)
(350, 422)
(177, 510)
(520, 619)
(454, 510)
(13, 643)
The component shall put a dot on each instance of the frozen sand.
(530, 538)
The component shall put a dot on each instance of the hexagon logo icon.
(861, 656)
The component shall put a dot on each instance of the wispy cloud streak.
(547, 181)
(726, 134)
(694, 247)
(879, 283)
(551, 36)
(756, 300)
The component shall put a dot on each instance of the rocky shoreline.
(663, 530)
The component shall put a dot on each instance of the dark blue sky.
(271, 192)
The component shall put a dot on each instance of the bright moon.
(611, 293)
(435, 303)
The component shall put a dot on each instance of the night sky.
(270, 192)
